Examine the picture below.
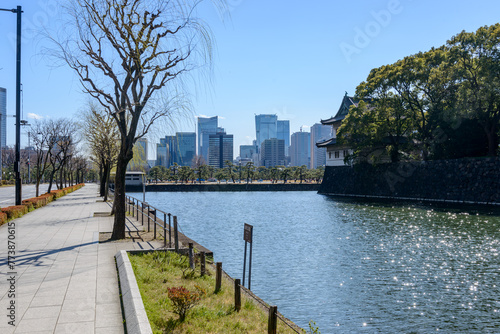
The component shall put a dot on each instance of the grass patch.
(213, 313)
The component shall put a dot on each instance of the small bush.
(29, 205)
(3, 218)
(15, 211)
(183, 300)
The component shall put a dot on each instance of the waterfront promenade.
(62, 280)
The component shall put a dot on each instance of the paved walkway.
(65, 281)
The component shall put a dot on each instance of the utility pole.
(17, 163)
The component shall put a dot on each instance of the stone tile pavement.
(63, 280)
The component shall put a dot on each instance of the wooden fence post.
(237, 294)
(191, 256)
(176, 235)
(218, 277)
(202, 263)
(272, 324)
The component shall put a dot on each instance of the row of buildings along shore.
(212, 145)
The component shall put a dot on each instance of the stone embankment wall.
(456, 181)
(228, 187)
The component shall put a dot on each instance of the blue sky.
(292, 58)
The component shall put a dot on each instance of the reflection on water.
(354, 267)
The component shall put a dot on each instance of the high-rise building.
(272, 152)
(3, 117)
(171, 150)
(319, 133)
(161, 153)
(220, 149)
(300, 148)
(248, 151)
(186, 142)
(206, 126)
(266, 127)
(283, 132)
(166, 151)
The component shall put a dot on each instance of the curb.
(136, 319)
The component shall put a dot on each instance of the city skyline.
(257, 69)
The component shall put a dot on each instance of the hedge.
(16, 211)
(3, 218)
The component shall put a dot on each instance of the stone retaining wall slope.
(472, 180)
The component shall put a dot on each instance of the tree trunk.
(103, 171)
(61, 175)
(119, 200)
(106, 181)
(102, 184)
(51, 180)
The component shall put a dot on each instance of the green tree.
(250, 171)
(301, 172)
(477, 73)
(230, 170)
(155, 173)
(220, 174)
(175, 169)
(185, 174)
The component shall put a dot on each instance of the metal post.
(244, 263)
(169, 231)
(164, 230)
(250, 265)
(149, 227)
(142, 214)
(154, 226)
(17, 164)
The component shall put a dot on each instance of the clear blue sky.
(292, 58)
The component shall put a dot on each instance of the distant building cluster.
(212, 145)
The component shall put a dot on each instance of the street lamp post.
(17, 163)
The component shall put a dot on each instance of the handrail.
(143, 208)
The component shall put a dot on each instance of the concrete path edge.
(136, 319)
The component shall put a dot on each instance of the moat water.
(354, 267)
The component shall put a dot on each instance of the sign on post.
(247, 236)
(247, 233)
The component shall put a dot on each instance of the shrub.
(3, 218)
(15, 211)
(29, 205)
(183, 300)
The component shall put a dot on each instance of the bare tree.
(61, 143)
(102, 136)
(80, 164)
(40, 137)
(125, 53)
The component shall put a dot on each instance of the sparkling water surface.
(354, 267)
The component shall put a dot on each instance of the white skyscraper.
(319, 132)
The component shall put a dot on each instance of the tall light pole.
(17, 163)
(25, 123)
